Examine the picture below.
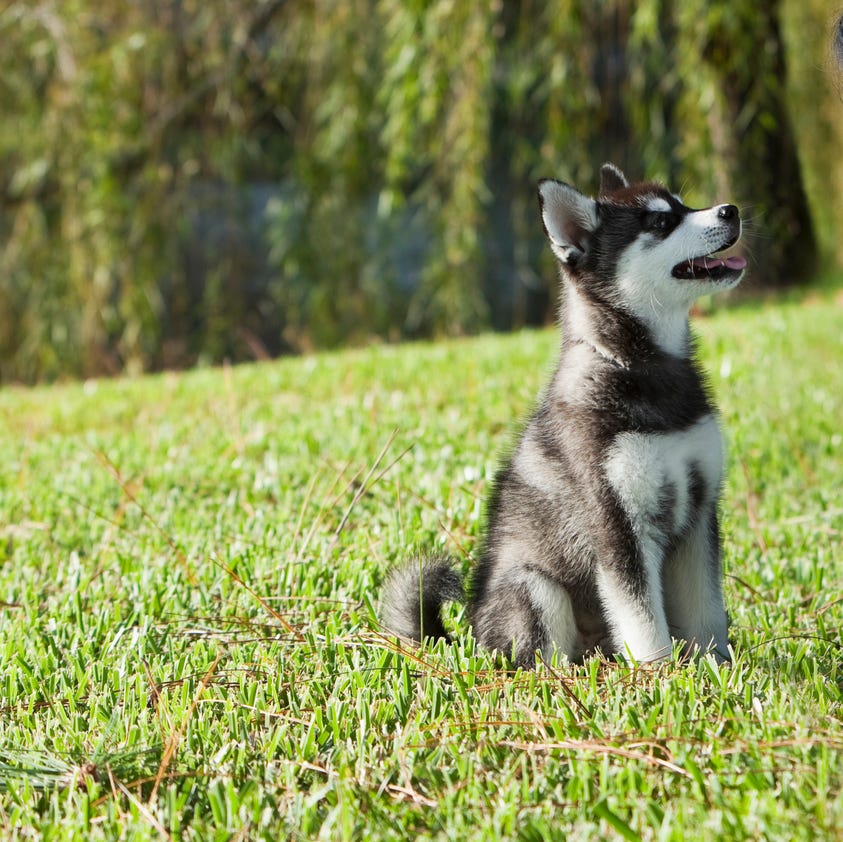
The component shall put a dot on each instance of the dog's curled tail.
(413, 596)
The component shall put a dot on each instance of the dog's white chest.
(663, 479)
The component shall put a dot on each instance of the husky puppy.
(602, 528)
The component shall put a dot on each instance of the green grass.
(190, 569)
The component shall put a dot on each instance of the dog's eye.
(659, 221)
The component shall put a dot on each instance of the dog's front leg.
(630, 588)
(693, 590)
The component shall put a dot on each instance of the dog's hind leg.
(524, 613)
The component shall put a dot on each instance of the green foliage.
(184, 182)
(815, 101)
(190, 566)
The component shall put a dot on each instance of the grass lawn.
(190, 570)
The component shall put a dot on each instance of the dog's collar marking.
(604, 352)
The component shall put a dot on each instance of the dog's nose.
(728, 212)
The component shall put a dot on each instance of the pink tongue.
(714, 262)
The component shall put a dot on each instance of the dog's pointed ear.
(611, 179)
(569, 219)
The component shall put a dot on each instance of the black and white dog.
(602, 526)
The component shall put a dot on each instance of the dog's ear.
(569, 219)
(611, 179)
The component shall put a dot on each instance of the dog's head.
(637, 246)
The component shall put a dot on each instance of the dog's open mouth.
(709, 267)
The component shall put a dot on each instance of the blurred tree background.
(199, 180)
